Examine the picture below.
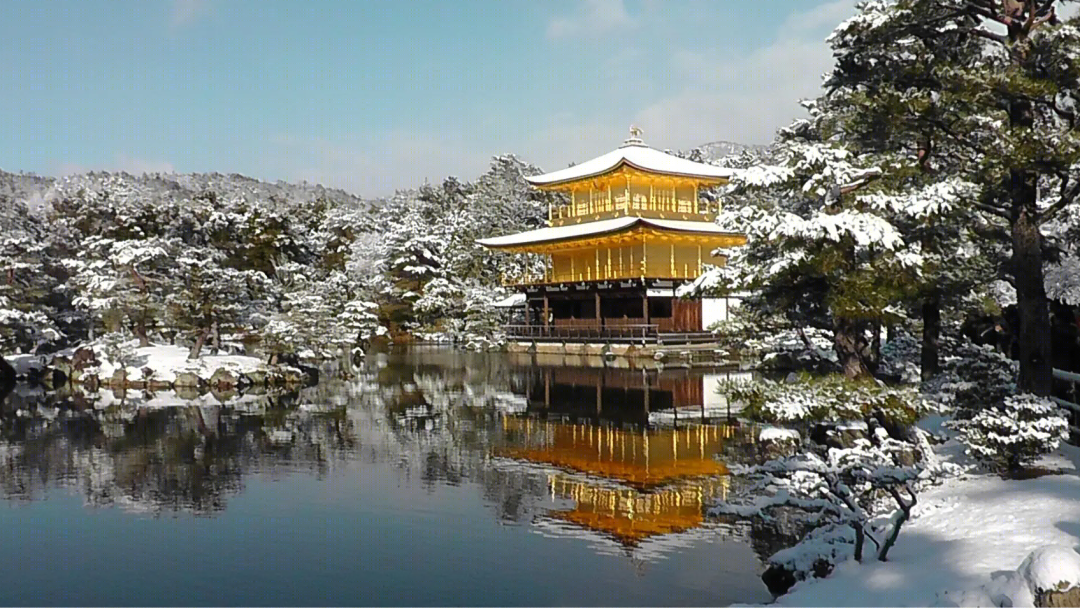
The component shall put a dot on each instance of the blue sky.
(373, 95)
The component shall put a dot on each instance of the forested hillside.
(208, 259)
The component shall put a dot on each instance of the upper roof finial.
(635, 137)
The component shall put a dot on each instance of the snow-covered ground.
(962, 532)
(167, 361)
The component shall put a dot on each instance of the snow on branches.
(842, 488)
(1012, 435)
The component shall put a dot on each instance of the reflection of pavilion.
(631, 516)
(638, 458)
(638, 484)
(626, 395)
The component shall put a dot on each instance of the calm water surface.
(426, 477)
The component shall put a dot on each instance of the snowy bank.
(164, 366)
(961, 532)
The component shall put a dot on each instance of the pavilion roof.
(590, 229)
(639, 156)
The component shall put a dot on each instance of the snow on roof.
(560, 233)
(637, 155)
(518, 299)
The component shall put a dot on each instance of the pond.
(422, 477)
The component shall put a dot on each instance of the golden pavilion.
(633, 228)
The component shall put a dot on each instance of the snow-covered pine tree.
(93, 283)
(212, 297)
(142, 269)
(994, 85)
(816, 254)
(24, 287)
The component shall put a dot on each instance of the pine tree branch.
(952, 134)
(998, 38)
(991, 209)
(1069, 191)
(993, 233)
(987, 12)
(935, 20)
(905, 514)
(1049, 5)
(866, 178)
(1029, 23)
(1034, 20)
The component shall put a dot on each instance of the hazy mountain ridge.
(28, 190)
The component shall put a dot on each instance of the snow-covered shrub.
(900, 358)
(831, 397)
(117, 350)
(976, 375)
(1012, 435)
(973, 376)
(361, 318)
(842, 488)
(23, 328)
(816, 553)
(280, 335)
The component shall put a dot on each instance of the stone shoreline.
(82, 368)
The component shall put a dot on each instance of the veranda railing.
(644, 333)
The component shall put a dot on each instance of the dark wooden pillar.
(599, 320)
(547, 390)
(546, 308)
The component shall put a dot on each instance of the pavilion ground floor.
(609, 311)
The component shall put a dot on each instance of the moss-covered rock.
(223, 380)
(187, 380)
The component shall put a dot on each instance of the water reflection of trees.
(443, 412)
(138, 452)
(446, 419)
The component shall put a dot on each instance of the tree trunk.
(905, 514)
(852, 349)
(196, 349)
(931, 333)
(140, 331)
(215, 334)
(860, 540)
(1036, 357)
(875, 347)
(7, 373)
